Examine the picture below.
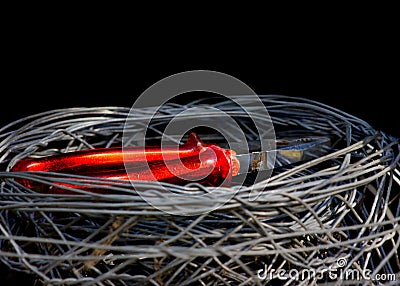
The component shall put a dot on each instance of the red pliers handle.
(193, 161)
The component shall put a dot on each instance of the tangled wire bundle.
(333, 218)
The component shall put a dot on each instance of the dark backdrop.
(46, 79)
(56, 71)
(54, 66)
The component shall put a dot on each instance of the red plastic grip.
(193, 161)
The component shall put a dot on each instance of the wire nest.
(333, 218)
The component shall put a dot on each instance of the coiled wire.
(340, 207)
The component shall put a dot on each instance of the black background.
(49, 64)
(358, 80)
(353, 76)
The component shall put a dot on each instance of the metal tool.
(194, 161)
(287, 152)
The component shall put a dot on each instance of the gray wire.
(343, 205)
